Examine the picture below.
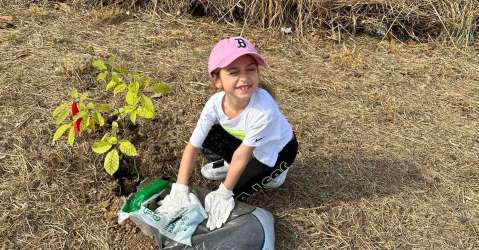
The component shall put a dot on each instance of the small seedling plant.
(129, 101)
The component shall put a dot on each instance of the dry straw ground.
(425, 20)
(388, 131)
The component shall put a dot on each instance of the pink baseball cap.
(229, 49)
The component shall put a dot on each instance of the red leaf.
(74, 110)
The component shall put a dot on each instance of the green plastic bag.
(139, 209)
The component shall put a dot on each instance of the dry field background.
(388, 131)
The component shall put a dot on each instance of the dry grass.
(388, 132)
(455, 21)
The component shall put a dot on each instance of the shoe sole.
(213, 177)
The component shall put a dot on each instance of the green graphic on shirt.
(240, 134)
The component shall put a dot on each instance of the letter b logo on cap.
(241, 43)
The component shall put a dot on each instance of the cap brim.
(229, 59)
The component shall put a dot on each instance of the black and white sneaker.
(277, 181)
(215, 170)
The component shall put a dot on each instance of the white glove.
(218, 205)
(173, 204)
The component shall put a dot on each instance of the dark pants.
(219, 144)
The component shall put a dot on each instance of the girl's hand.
(218, 205)
(172, 204)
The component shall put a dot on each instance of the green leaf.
(137, 77)
(83, 96)
(133, 116)
(132, 94)
(119, 88)
(111, 85)
(98, 118)
(99, 65)
(102, 76)
(115, 77)
(145, 83)
(115, 81)
(101, 107)
(101, 147)
(71, 136)
(127, 148)
(81, 114)
(74, 94)
(90, 105)
(121, 70)
(61, 113)
(146, 110)
(145, 113)
(60, 109)
(160, 88)
(105, 137)
(60, 131)
(134, 87)
(131, 97)
(91, 124)
(114, 125)
(112, 162)
(147, 103)
(85, 123)
(81, 106)
(112, 140)
(128, 109)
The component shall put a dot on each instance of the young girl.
(241, 130)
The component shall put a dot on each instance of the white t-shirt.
(260, 125)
